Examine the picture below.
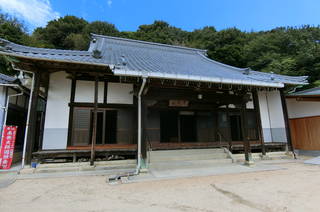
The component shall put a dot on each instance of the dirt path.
(296, 188)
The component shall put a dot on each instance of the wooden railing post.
(246, 141)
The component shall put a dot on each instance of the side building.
(304, 115)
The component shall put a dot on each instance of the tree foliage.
(12, 29)
(285, 50)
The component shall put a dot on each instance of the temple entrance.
(235, 128)
(183, 119)
(188, 127)
(169, 126)
(178, 126)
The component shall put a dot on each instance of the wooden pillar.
(246, 141)
(94, 127)
(286, 120)
(71, 109)
(228, 120)
(32, 125)
(43, 115)
(258, 119)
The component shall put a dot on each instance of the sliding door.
(114, 126)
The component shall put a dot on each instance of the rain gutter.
(28, 115)
(122, 72)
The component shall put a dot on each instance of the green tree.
(57, 31)
(227, 47)
(161, 32)
(101, 28)
(12, 29)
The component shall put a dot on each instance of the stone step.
(170, 165)
(81, 166)
(187, 155)
(269, 156)
(187, 152)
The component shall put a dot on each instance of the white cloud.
(34, 12)
(109, 2)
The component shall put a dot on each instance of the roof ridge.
(150, 43)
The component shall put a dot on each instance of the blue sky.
(127, 15)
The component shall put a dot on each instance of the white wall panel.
(264, 114)
(264, 110)
(275, 109)
(120, 93)
(272, 119)
(85, 91)
(57, 112)
(299, 109)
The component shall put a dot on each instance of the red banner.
(7, 146)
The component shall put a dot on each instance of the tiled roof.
(139, 58)
(49, 54)
(308, 92)
(153, 59)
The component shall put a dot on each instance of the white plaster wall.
(85, 91)
(275, 109)
(299, 109)
(120, 93)
(272, 119)
(57, 113)
(264, 114)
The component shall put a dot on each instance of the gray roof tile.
(45, 53)
(154, 58)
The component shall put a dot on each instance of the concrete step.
(79, 167)
(269, 156)
(187, 155)
(170, 165)
(187, 151)
(83, 168)
(80, 164)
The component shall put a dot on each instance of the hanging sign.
(178, 103)
(7, 146)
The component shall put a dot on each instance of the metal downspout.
(139, 126)
(28, 116)
(27, 125)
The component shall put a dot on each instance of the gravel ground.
(295, 188)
